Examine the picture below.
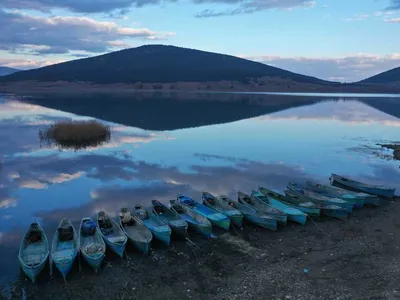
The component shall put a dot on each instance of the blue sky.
(331, 39)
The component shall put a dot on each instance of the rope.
(319, 228)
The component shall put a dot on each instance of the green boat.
(261, 206)
(359, 199)
(222, 207)
(293, 214)
(253, 216)
(307, 207)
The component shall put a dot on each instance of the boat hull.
(163, 236)
(313, 212)
(143, 247)
(381, 192)
(335, 213)
(221, 223)
(268, 223)
(117, 248)
(64, 267)
(95, 261)
(237, 220)
(202, 229)
(33, 272)
(180, 230)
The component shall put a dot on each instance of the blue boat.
(216, 204)
(260, 205)
(195, 221)
(315, 197)
(33, 251)
(308, 208)
(171, 218)
(326, 209)
(138, 234)
(293, 214)
(158, 228)
(334, 192)
(65, 247)
(253, 216)
(112, 233)
(214, 217)
(92, 246)
(352, 185)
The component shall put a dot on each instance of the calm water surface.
(190, 145)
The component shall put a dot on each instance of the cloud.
(394, 5)
(39, 35)
(393, 20)
(252, 6)
(7, 203)
(345, 69)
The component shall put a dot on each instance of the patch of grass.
(76, 134)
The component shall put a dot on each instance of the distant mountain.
(7, 71)
(158, 64)
(388, 77)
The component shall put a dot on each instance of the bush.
(76, 134)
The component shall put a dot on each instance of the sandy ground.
(358, 258)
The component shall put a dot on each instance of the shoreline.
(43, 88)
(358, 258)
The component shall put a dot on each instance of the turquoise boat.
(158, 228)
(195, 221)
(112, 233)
(138, 234)
(293, 214)
(260, 205)
(352, 185)
(65, 247)
(306, 207)
(171, 218)
(92, 246)
(216, 204)
(315, 197)
(326, 209)
(214, 217)
(252, 215)
(33, 251)
(334, 192)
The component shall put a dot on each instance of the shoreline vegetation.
(272, 85)
(76, 134)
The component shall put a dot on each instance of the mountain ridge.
(4, 71)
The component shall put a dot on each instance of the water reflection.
(270, 143)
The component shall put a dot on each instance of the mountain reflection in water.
(161, 146)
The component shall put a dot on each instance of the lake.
(164, 144)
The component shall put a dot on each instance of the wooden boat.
(330, 191)
(252, 215)
(378, 190)
(307, 207)
(216, 218)
(112, 233)
(315, 197)
(233, 214)
(33, 251)
(292, 213)
(171, 218)
(92, 246)
(65, 247)
(195, 221)
(326, 209)
(259, 205)
(158, 228)
(138, 234)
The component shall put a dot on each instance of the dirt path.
(354, 259)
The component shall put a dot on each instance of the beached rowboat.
(171, 218)
(213, 202)
(33, 251)
(65, 247)
(112, 233)
(91, 243)
(378, 190)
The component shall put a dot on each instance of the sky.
(341, 40)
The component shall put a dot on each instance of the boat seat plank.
(34, 253)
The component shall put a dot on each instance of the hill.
(158, 64)
(389, 77)
(7, 71)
